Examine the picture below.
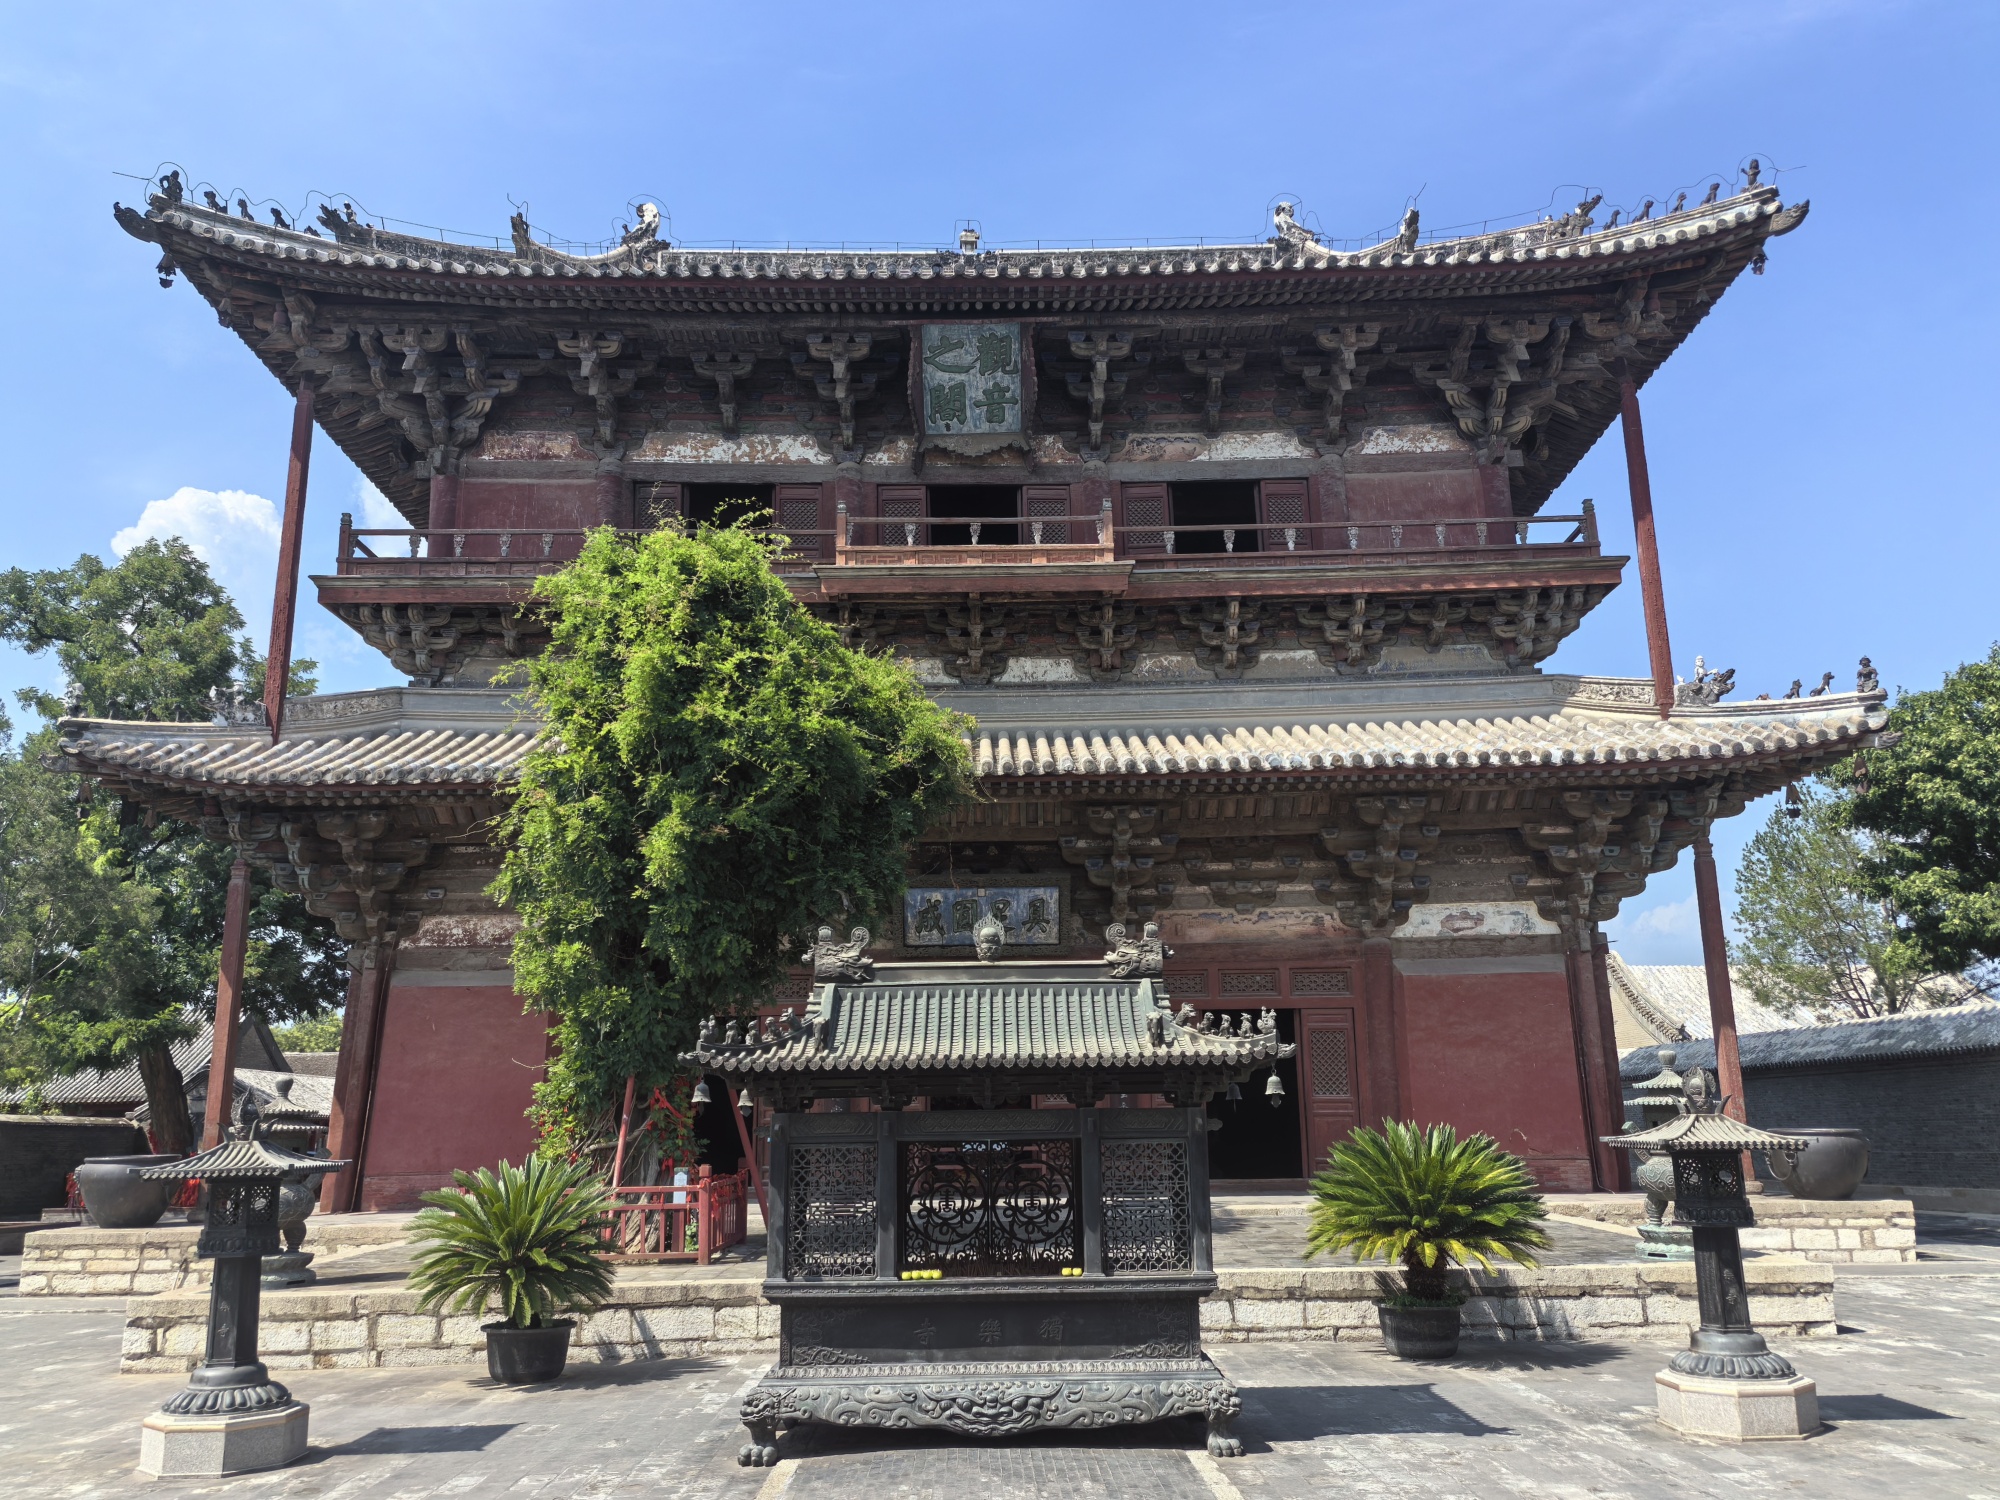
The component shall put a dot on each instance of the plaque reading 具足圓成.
(1030, 915)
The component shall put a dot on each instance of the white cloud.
(233, 531)
(1668, 919)
(376, 509)
(1668, 932)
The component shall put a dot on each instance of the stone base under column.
(173, 1447)
(1738, 1411)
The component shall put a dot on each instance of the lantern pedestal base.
(1738, 1411)
(1666, 1242)
(172, 1447)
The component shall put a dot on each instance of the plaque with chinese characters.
(971, 375)
(1030, 915)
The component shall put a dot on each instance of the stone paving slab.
(1908, 1391)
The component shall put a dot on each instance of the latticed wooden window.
(1147, 1225)
(1322, 982)
(831, 1209)
(1262, 982)
(1332, 1069)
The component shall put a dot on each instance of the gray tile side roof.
(998, 1026)
(1672, 1000)
(1970, 1028)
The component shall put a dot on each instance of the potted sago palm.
(528, 1240)
(1426, 1199)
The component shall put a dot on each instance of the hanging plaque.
(1030, 915)
(971, 379)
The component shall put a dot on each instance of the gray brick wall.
(38, 1152)
(1933, 1121)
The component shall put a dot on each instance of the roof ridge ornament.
(1144, 959)
(847, 961)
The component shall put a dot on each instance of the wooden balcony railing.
(855, 541)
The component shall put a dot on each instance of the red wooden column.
(1651, 593)
(228, 1006)
(284, 606)
(354, 1075)
(1715, 959)
(1378, 989)
(1596, 1055)
(1600, 978)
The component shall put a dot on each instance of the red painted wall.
(1496, 1052)
(1428, 494)
(457, 1066)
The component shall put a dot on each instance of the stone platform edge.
(87, 1261)
(328, 1329)
(1861, 1230)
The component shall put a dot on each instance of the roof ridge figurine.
(1144, 959)
(847, 961)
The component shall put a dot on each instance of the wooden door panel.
(1328, 1058)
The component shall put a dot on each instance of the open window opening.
(1001, 501)
(727, 503)
(1229, 503)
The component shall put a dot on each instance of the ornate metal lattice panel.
(831, 1211)
(1322, 982)
(1332, 1077)
(1257, 982)
(1709, 1192)
(1146, 1221)
(989, 1208)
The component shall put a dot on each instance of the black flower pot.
(117, 1197)
(1420, 1332)
(526, 1356)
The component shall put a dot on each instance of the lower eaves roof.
(418, 742)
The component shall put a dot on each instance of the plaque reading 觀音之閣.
(971, 376)
(1029, 915)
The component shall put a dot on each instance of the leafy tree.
(315, 1034)
(70, 926)
(1813, 932)
(718, 775)
(1932, 802)
(109, 981)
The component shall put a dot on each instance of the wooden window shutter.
(896, 502)
(1142, 526)
(801, 513)
(1282, 502)
(1046, 500)
(659, 503)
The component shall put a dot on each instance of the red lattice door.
(898, 502)
(802, 515)
(1327, 1063)
(1282, 502)
(1142, 524)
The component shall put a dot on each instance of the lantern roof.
(1705, 1132)
(242, 1157)
(1002, 1027)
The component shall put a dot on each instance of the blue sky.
(1814, 445)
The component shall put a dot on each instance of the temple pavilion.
(1238, 555)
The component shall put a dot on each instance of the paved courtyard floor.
(1909, 1392)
